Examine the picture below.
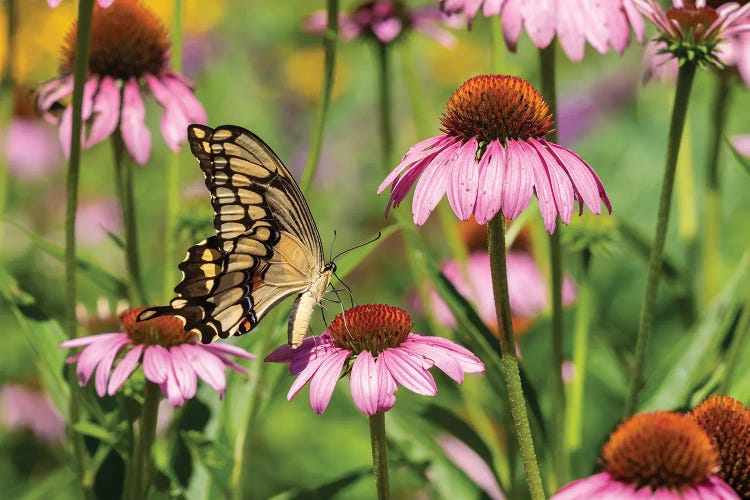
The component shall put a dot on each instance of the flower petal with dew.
(171, 358)
(374, 345)
(492, 158)
(129, 56)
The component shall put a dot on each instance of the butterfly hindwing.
(266, 245)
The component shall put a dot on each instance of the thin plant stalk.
(736, 348)
(173, 168)
(521, 427)
(329, 44)
(124, 185)
(6, 90)
(711, 226)
(497, 47)
(679, 111)
(379, 455)
(559, 455)
(384, 94)
(584, 310)
(140, 481)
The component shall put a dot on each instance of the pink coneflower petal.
(512, 21)
(585, 183)
(89, 339)
(518, 181)
(463, 182)
(466, 359)
(135, 134)
(173, 120)
(66, 122)
(124, 369)
(742, 144)
(432, 184)
(305, 375)
(232, 350)
(92, 355)
(183, 370)
(156, 362)
(207, 366)
(106, 109)
(491, 178)
(52, 92)
(387, 386)
(408, 371)
(539, 18)
(104, 369)
(190, 104)
(417, 152)
(364, 383)
(171, 388)
(472, 464)
(387, 29)
(324, 380)
(562, 188)
(542, 186)
(440, 357)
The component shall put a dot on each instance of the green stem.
(140, 481)
(329, 44)
(679, 111)
(522, 429)
(124, 184)
(559, 456)
(384, 104)
(741, 338)
(574, 430)
(173, 168)
(497, 48)
(379, 454)
(711, 253)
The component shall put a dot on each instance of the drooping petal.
(407, 370)
(207, 366)
(469, 362)
(419, 151)
(562, 188)
(171, 388)
(512, 23)
(92, 355)
(589, 487)
(570, 33)
(230, 349)
(124, 369)
(490, 190)
(742, 143)
(183, 370)
(580, 174)
(89, 339)
(542, 186)
(106, 109)
(386, 386)
(173, 120)
(464, 179)
(135, 134)
(192, 107)
(363, 383)
(432, 184)
(518, 181)
(539, 19)
(156, 364)
(304, 376)
(440, 357)
(50, 93)
(325, 378)
(105, 366)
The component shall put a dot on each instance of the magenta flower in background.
(742, 144)
(31, 149)
(661, 455)
(492, 157)
(129, 56)
(471, 464)
(386, 20)
(102, 3)
(374, 344)
(95, 219)
(171, 357)
(527, 288)
(605, 25)
(25, 408)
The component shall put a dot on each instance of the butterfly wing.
(266, 245)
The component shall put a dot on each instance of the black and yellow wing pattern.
(266, 245)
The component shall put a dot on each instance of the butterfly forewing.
(266, 245)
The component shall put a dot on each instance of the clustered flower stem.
(83, 44)
(645, 324)
(498, 266)
(140, 479)
(124, 185)
(329, 43)
(173, 166)
(379, 454)
(711, 253)
(559, 459)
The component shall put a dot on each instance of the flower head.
(171, 357)
(727, 423)
(604, 25)
(129, 55)
(654, 455)
(492, 157)
(24, 408)
(375, 346)
(385, 21)
(691, 31)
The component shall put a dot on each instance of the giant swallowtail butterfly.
(266, 246)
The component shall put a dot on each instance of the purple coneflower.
(102, 3)
(386, 21)
(492, 157)
(654, 455)
(375, 346)
(171, 357)
(97, 219)
(129, 55)
(25, 408)
(604, 25)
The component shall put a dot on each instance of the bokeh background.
(254, 66)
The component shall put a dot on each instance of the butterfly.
(266, 246)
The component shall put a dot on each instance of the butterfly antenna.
(333, 241)
(373, 240)
(348, 289)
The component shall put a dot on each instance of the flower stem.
(141, 478)
(384, 102)
(711, 253)
(497, 49)
(559, 458)
(173, 168)
(498, 266)
(741, 338)
(329, 43)
(679, 111)
(379, 454)
(124, 184)
(574, 429)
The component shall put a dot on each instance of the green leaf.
(44, 336)
(347, 262)
(744, 162)
(109, 282)
(326, 490)
(682, 372)
(216, 459)
(91, 429)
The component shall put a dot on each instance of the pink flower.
(742, 144)
(736, 52)
(385, 20)
(129, 55)
(604, 25)
(471, 464)
(492, 158)
(95, 219)
(171, 358)
(31, 149)
(527, 288)
(660, 455)
(102, 3)
(372, 343)
(25, 408)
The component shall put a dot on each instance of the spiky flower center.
(166, 331)
(127, 40)
(371, 327)
(660, 450)
(496, 108)
(727, 423)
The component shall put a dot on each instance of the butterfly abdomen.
(302, 310)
